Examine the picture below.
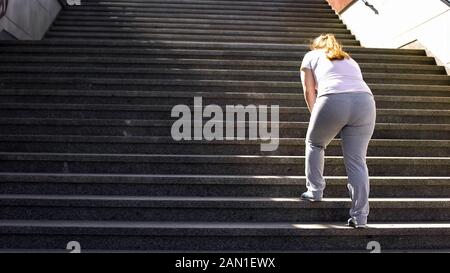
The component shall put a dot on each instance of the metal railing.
(370, 6)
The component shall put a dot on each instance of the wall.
(340, 5)
(28, 19)
(401, 22)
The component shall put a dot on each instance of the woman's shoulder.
(313, 54)
(316, 52)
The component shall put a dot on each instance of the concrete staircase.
(86, 153)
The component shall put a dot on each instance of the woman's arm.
(309, 87)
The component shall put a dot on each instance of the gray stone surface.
(210, 185)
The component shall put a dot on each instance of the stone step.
(211, 164)
(124, 45)
(153, 56)
(174, 97)
(204, 85)
(252, 15)
(410, 102)
(195, 64)
(212, 185)
(115, 127)
(214, 209)
(198, 24)
(69, 19)
(163, 112)
(187, 37)
(230, 19)
(136, 32)
(225, 2)
(263, 3)
(222, 99)
(121, 251)
(285, 13)
(161, 145)
(211, 74)
(222, 5)
(222, 236)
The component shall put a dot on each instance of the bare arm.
(309, 87)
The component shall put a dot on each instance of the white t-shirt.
(332, 77)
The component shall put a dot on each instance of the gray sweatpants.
(352, 114)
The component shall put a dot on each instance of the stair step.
(285, 13)
(310, 7)
(146, 57)
(75, 19)
(186, 37)
(186, 84)
(251, 15)
(173, 98)
(250, 48)
(198, 24)
(230, 19)
(222, 2)
(212, 185)
(204, 85)
(212, 74)
(161, 145)
(229, 2)
(115, 127)
(201, 236)
(411, 102)
(140, 31)
(163, 112)
(214, 209)
(129, 6)
(128, 70)
(211, 164)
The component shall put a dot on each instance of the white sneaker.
(352, 223)
(310, 196)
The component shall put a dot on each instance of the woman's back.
(337, 76)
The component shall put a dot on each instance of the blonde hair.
(333, 48)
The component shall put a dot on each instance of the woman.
(339, 101)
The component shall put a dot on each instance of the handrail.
(370, 6)
(446, 2)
